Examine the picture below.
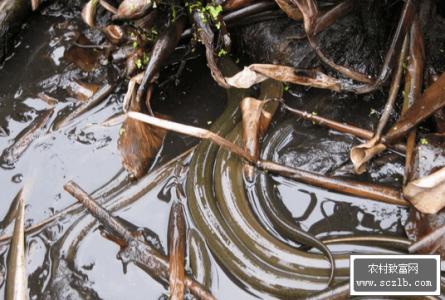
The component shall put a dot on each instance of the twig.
(375, 192)
(206, 36)
(340, 127)
(136, 251)
(92, 102)
(24, 139)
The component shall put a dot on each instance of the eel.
(220, 210)
(219, 206)
(289, 272)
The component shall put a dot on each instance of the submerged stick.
(375, 192)
(136, 251)
(176, 251)
(17, 279)
(331, 16)
(86, 106)
(393, 91)
(341, 127)
(365, 190)
(11, 154)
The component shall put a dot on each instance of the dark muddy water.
(65, 261)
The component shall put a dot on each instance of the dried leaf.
(89, 13)
(290, 9)
(17, 279)
(245, 79)
(427, 194)
(361, 154)
(251, 110)
(259, 72)
(133, 9)
(114, 33)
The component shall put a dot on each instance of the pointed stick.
(17, 279)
